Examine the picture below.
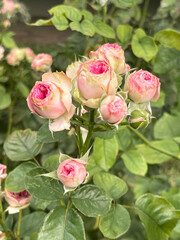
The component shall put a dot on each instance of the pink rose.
(94, 78)
(1, 52)
(142, 86)
(12, 59)
(8, 6)
(17, 199)
(72, 172)
(29, 54)
(42, 62)
(52, 99)
(113, 54)
(3, 173)
(113, 109)
(6, 23)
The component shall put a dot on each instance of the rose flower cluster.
(94, 84)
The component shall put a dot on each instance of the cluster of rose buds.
(94, 83)
(41, 62)
(9, 8)
(16, 201)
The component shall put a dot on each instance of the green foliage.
(22, 145)
(62, 224)
(157, 215)
(91, 201)
(115, 223)
(143, 46)
(124, 33)
(112, 185)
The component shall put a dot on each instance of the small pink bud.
(142, 86)
(29, 54)
(42, 62)
(113, 109)
(1, 52)
(72, 172)
(3, 173)
(17, 199)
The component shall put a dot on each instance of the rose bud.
(17, 199)
(1, 52)
(29, 54)
(94, 78)
(6, 23)
(113, 109)
(72, 172)
(19, 53)
(112, 53)
(139, 119)
(12, 59)
(142, 86)
(8, 6)
(52, 99)
(3, 173)
(42, 62)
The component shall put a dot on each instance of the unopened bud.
(139, 119)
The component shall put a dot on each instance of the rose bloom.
(52, 99)
(2, 236)
(12, 59)
(112, 53)
(72, 172)
(17, 199)
(94, 78)
(8, 6)
(29, 54)
(142, 86)
(1, 52)
(113, 109)
(6, 23)
(42, 62)
(3, 173)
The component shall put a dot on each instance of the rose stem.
(19, 224)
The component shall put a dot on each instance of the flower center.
(99, 67)
(23, 194)
(42, 91)
(114, 107)
(146, 76)
(68, 170)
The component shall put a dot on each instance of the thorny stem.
(151, 145)
(19, 224)
(144, 13)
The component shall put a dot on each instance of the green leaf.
(135, 162)
(168, 38)
(8, 41)
(69, 12)
(85, 27)
(52, 162)
(173, 196)
(22, 145)
(42, 187)
(87, 15)
(124, 138)
(104, 30)
(15, 179)
(62, 224)
(115, 223)
(45, 136)
(41, 22)
(112, 185)
(166, 60)
(122, 3)
(157, 215)
(154, 157)
(31, 223)
(5, 100)
(143, 46)
(23, 89)
(160, 102)
(60, 22)
(91, 201)
(105, 152)
(124, 32)
(167, 127)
